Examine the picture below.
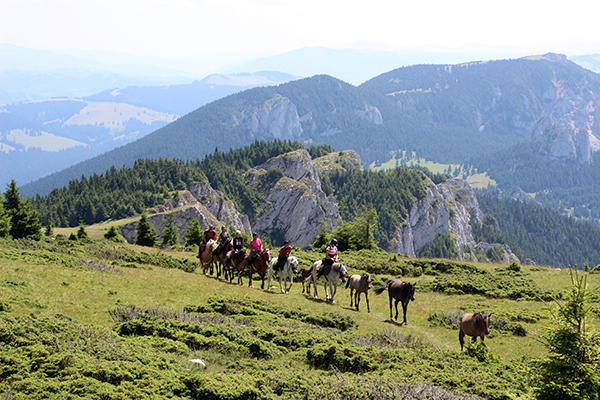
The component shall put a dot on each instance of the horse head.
(293, 264)
(411, 290)
(366, 279)
(482, 321)
(343, 272)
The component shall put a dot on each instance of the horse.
(238, 262)
(205, 256)
(259, 265)
(475, 325)
(306, 278)
(221, 258)
(287, 272)
(399, 291)
(337, 272)
(359, 284)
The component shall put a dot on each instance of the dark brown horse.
(238, 262)
(306, 278)
(475, 325)
(221, 259)
(359, 284)
(399, 291)
(259, 265)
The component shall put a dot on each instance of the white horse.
(338, 272)
(287, 272)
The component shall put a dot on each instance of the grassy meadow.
(95, 319)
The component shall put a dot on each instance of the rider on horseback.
(331, 256)
(223, 238)
(209, 234)
(238, 245)
(284, 253)
(255, 248)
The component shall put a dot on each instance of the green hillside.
(94, 319)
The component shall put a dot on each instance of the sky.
(175, 29)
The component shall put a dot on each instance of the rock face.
(297, 205)
(447, 207)
(568, 124)
(277, 118)
(198, 201)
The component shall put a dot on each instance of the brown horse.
(238, 262)
(359, 284)
(475, 325)
(221, 259)
(399, 291)
(306, 278)
(260, 265)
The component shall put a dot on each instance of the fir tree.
(170, 233)
(24, 221)
(49, 231)
(81, 232)
(113, 234)
(193, 234)
(4, 220)
(572, 368)
(146, 233)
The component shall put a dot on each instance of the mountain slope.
(447, 113)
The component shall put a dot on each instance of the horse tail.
(347, 283)
(381, 288)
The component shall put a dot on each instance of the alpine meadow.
(463, 197)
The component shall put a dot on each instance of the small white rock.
(198, 361)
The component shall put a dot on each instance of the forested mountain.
(531, 232)
(445, 113)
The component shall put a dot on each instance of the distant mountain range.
(38, 138)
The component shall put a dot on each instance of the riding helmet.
(334, 241)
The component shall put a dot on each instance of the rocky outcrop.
(276, 119)
(447, 207)
(523, 197)
(337, 161)
(200, 201)
(370, 113)
(297, 205)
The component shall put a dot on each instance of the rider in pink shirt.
(255, 247)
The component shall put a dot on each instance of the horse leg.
(357, 300)
(404, 307)
(351, 290)
(367, 298)
(262, 285)
(396, 305)
(287, 290)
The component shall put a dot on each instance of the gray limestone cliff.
(447, 207)
(199, 201)
(296, 203)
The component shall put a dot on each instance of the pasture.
(97, 319)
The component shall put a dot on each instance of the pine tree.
(81, 232)
(572, 368)
(146, 233)
(49, 231)
(193, 234)
(113, 234)
(170, 233)
(4, 220)
(24, 221)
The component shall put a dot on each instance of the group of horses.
(471, 324)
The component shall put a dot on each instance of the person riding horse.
(223, 238)
(331, 256)
(209, 234)
(238, 245)
(255, 248)
(284, 253)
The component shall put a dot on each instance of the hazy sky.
(179, 28)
